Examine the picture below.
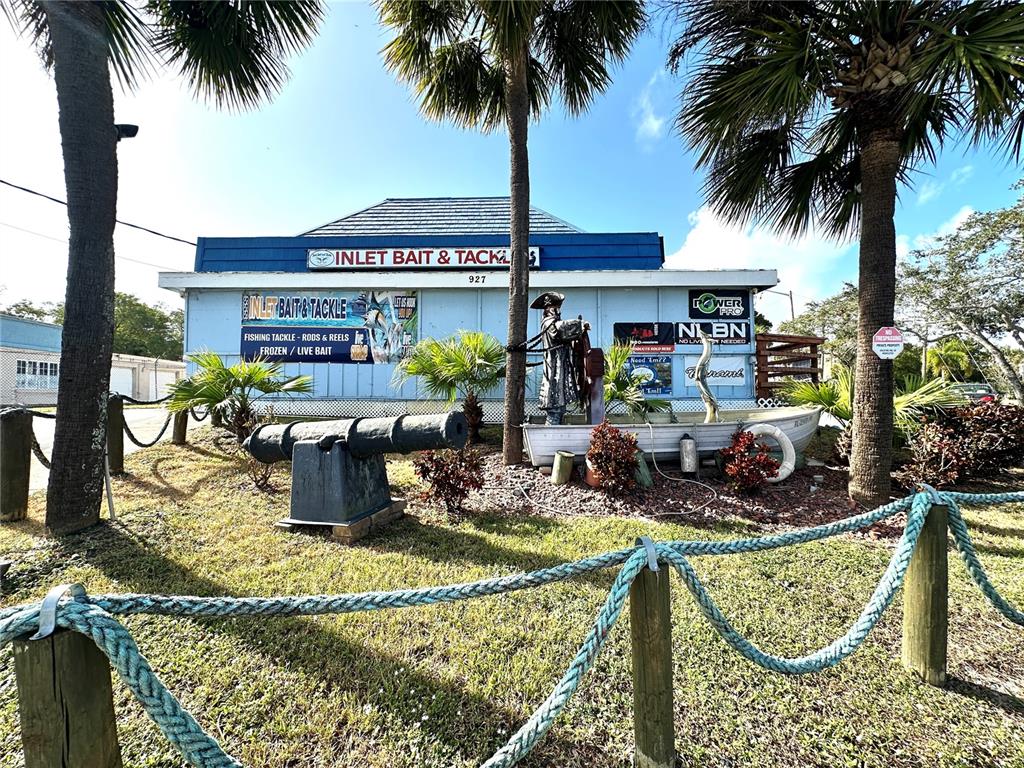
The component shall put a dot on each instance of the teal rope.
(92, 616)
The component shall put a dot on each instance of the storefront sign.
(719, 304)
(720, 331)
(728, 371)
(655, 372)
(296, 344)
(646, 337)
(887, 342)
(328, 326)
(451, 257)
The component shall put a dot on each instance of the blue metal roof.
(23, 333)
(558, 250)
(438, 216)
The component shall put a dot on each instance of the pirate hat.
(548, 299)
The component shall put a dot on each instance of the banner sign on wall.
(465, 257)
(328, 326)
(719, 304)
(650, 337)
(721, 332)
(656, 373)
(730, 371)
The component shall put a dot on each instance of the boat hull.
(799, 424)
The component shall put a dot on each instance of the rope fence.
(94, 616)
(155, 440)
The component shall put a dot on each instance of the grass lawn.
(445, 685)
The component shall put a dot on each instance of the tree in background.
(45, 312)
(814, 112)
(139, 328)
(230, 51)
(481, 64)
(952, 359)
(761, 323)
(835, 319)
(970, 283)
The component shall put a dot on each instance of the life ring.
(785, 444)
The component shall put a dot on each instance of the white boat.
(662, 439)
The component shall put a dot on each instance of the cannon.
(339, 478)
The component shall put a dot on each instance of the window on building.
(33, 374)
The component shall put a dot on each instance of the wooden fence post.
(115, 434)
(651, 629)
(15, 464)
(66, 702)
(926, 602)
(178, 436)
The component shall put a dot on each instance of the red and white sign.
(464, 257)
(887, 342)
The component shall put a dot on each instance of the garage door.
(121, 380)
(159, 381)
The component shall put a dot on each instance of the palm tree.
(625, 386)
(468, 364)
(913, 397)
(481, 64)
(230, 51)
(231, 391)
(813, 113)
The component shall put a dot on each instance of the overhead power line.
(61, 240)
(125, 223)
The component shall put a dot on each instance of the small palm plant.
(912, 399)
(625, 386)
(231, 390)
(468, 364)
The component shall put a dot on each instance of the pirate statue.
(564, 343)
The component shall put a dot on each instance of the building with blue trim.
(30, 366)
(341, 302)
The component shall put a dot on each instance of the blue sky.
(344, 134)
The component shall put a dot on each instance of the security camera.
(125, 131)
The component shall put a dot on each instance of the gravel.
(789, 504)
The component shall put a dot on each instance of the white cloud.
(948, 227)
(650, 126)
(932, 189)
(961, 175)
(807, 266)
(929, 191)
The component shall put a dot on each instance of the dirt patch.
(789, 504)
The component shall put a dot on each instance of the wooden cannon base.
(351, 532)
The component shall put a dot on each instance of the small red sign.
(887, 342)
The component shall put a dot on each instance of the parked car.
(977, 393)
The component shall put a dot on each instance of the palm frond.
(233, 51)
(468, 363)
(128, 36)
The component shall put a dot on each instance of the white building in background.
(30, 366)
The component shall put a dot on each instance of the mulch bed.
(789, 504)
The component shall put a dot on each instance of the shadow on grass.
(411, 536)
(1004, 701)
(470, 726)
(995, 530)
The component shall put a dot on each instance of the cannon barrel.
(363, 437)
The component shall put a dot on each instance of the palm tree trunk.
(871, 458)
(88, 140)
(517, 108)
(474, 414)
